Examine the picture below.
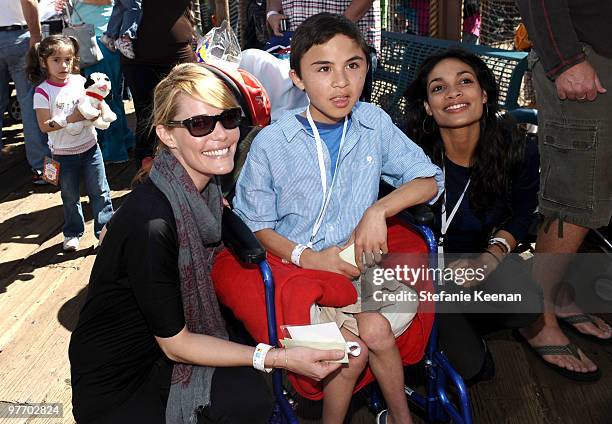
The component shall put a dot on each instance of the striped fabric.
(280, 184)
(299, 10)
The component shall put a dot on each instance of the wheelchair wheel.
(14, 111)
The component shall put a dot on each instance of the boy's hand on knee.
(328, 260)
(370, 238)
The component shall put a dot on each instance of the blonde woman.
(151, 345)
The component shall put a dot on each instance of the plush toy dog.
(92, 104)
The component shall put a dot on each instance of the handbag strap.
(74, 9)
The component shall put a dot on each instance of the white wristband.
(297, 253)
(501, 240)
(259, 357)
(271, 13)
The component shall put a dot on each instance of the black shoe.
(37, 177)
(487, 371)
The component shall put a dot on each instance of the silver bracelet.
(502, 241)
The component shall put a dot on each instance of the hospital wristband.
(259, 357)
(297, 253)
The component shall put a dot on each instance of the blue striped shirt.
(280, 184)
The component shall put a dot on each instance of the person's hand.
(580, 82)
(312, 363)
(75, 116)
(370, 238)
(328, 260)
(34, 38)
(59, 5)
(469, 272)
(274, 23)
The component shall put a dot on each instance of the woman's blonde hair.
(192, 80)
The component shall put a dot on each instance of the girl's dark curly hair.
(500, 149)
(40, 52)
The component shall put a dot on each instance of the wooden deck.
(42, 290)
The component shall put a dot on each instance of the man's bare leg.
(548, 271)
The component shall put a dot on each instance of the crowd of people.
(152, 343)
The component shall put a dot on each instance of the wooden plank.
(511, 396)
(25, 223)
(574, 402)
(37, 351)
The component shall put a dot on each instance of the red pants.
(241, 288)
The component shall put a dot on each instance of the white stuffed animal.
(92, 104)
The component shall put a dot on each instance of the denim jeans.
(89, 167)
(14, 47)
(125, 18)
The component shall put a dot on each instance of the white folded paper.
(326, 336)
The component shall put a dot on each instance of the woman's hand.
(328, 260)
(311, 363)
(370, 237)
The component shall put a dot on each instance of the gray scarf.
(198, 224)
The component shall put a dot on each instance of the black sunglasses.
(201, 125)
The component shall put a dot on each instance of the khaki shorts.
(575, 142)
(399, 314)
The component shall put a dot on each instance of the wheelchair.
(436, 402)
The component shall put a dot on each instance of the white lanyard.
(326, 195)
(447, 221)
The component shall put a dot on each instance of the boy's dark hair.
(40, 52)
(319, 29)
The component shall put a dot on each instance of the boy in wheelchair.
(310, 185)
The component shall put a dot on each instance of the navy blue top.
(467, 232)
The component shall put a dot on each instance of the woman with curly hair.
(491, 179)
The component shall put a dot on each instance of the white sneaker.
(71, 244)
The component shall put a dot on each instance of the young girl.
(52, 64)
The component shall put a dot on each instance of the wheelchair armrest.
(240, 239)
(417, 214)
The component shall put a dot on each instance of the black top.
(469, 233)
(133, 295)
(164, 34)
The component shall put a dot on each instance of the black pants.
(462, 326)
(238, 395)
(142, 80)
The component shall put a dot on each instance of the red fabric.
(241, 289)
